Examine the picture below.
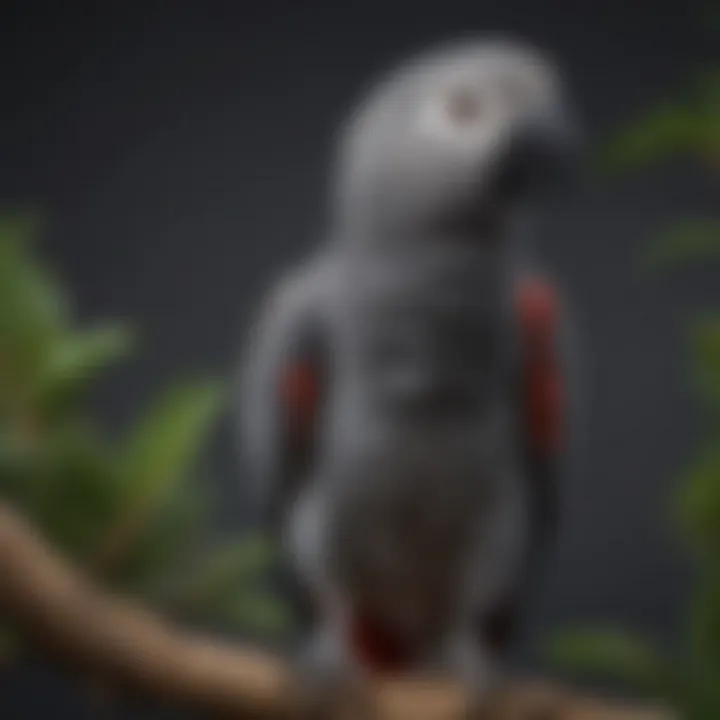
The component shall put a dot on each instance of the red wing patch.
(538, 308)
(300, 394)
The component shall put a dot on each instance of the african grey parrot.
(402, 392)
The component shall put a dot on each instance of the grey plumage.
(413, 502)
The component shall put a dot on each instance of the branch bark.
(114, 640)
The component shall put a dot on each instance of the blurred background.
(177, 153)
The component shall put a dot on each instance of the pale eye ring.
(463, 106)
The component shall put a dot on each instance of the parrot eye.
(463, 106)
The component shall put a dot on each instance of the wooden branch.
(114, 640)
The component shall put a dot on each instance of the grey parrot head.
(456, 138)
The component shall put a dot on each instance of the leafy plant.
(126, 510)
(687, 241)
(689, 677)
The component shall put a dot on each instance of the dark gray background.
(180, 152)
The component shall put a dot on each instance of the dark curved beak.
(542, 158)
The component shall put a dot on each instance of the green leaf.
(75, 360)
(688, 241)
(19, 227)
(662, 133)
(698, 503)
(611, 654)
(162, 551)
(235, 562)
(17, 463)
(168, 440)
(696, 693)
(157, 459)
(32, 299)
(74, 488)
(260, 614)
(705, 623)
(705, 357)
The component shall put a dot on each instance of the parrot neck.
(477, 220)
(474, 224)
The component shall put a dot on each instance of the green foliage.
(258, 611)
(689, 677)
(233, 560)
(698, 503)
(214, 586)
(154, 462)
(704, 623)
(687, 241)
(613, 653)
(128, 510)
(665, 132)
(688, 127)
(33, 310)
(705, 358)
(72, 360)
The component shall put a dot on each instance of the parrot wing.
(543, 415)
(283, 384)
(543, 398)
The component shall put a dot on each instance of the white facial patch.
(475, 109)
(467, 118)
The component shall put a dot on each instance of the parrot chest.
(407, 508)
(419, 438)
(422, 335)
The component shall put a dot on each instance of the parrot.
(403, 390)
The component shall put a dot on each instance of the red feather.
(300, 391)
(376, 645)
(538, 308)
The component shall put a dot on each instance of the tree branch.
(113, 639)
